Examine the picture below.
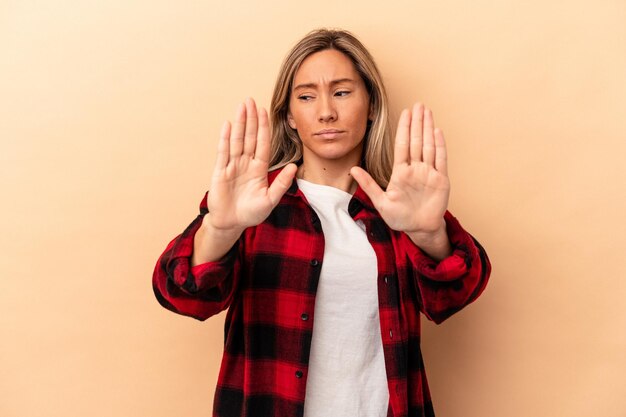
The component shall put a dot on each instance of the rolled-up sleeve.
(446, 286)
(200, 291)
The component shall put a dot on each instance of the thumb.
(281, 183)
(367, 183)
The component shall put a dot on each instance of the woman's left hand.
(417, 195)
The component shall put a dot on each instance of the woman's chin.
(335, 152)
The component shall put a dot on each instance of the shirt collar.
(359, 198)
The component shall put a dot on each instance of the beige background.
(109, 115)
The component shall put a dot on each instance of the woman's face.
(329, 107)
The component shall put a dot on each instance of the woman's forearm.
(211, 244)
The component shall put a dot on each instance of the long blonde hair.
(286, 146)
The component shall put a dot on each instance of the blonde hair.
(286, 146)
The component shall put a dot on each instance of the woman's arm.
(201, 290)
(449, 266)
(447, 285)
(198, 273)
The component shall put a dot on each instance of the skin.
(332, 96)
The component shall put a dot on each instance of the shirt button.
(304, 316)
(391, 334)
(386, 279)
(315, 262)
(298, 374)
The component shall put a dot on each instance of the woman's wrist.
(211, 244)
(212, 232)
(436, 244)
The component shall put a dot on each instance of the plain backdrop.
(109, 117)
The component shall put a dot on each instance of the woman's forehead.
(326, 67)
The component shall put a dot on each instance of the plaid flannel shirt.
(268, 281)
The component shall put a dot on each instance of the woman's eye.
(304, 97)
(342, 93)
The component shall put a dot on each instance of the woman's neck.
(333, 175)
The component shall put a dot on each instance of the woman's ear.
(372, 114)
(291, 121)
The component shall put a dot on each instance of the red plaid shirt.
(268, 281)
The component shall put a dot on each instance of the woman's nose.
(326, 111)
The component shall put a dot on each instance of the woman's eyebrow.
(333, 82)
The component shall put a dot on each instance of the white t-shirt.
(346, 375)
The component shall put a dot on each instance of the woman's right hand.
(239, 196)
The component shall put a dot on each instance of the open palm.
(417, 195)
(239, 196)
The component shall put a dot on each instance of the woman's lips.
(329, 133)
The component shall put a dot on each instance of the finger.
(250, 137)
(401, 147)
(367, 183)
(417, 122)
(428, 149)
(262, 151)
(222, 147)
(441, 158)
(236, 137)
(281, 183)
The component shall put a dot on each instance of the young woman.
(324, 246)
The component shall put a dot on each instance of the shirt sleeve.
(446, 286)
(200, 291)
